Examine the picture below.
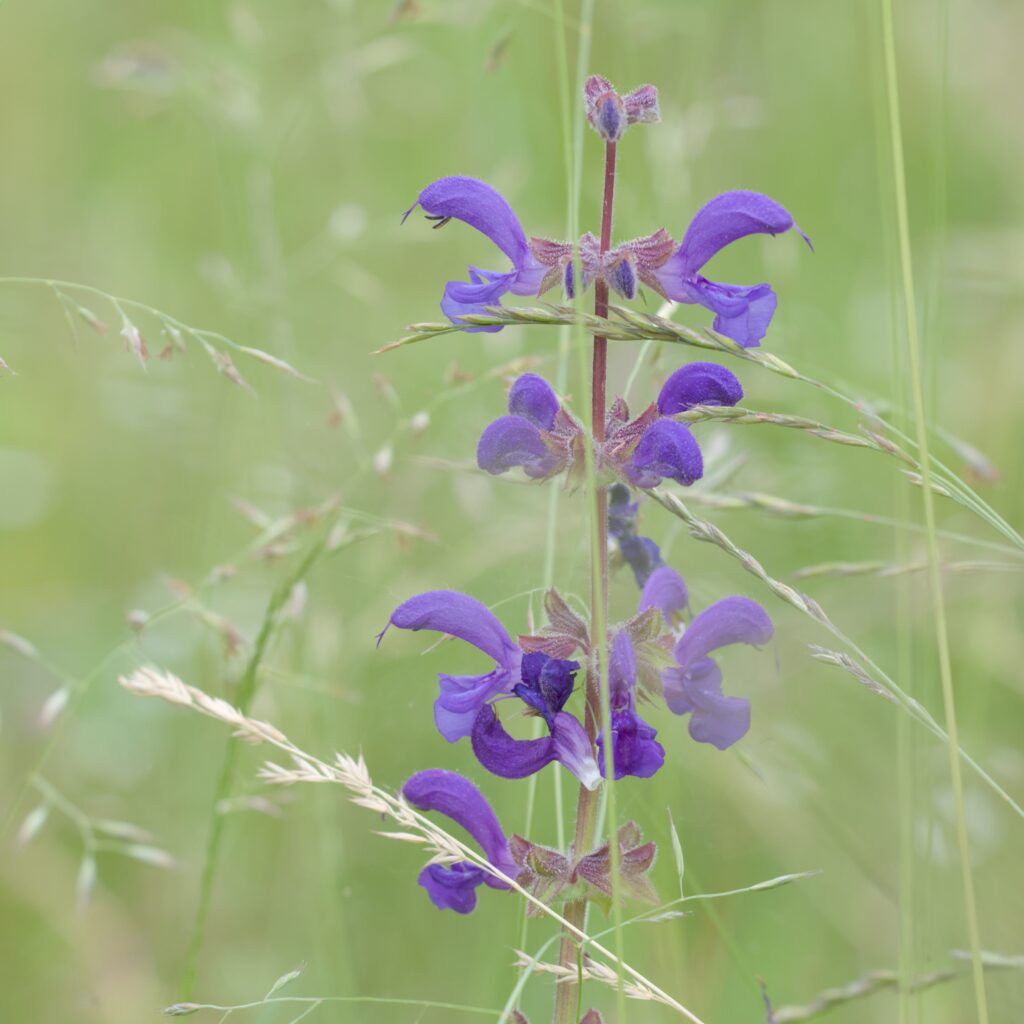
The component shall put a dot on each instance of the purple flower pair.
(465, 705)
(544, 439)
(742, 312)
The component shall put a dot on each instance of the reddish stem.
(566, 993)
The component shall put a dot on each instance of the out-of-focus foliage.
(243, 167)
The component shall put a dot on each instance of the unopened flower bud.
(610, 114)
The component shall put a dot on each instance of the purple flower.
(641, 554)
(694, 685)
(464, 705)
(538, 434)
(667, 449)
(741, 312)
(665, 590)
(477, 204)
(454, 887)
(634, 748)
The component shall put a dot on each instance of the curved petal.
(733, 620)
(699, 384)
(509, 758)
(477, 204)
(532, 397)
(485, 288)
(741, 313)
(461, 616)
(452, 888)
(574, 751)
(635, 750)
(514, 441)
(723, 220)
(667, 449)
(665, 590)
(457, 798)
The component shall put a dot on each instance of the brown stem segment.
(567, 993)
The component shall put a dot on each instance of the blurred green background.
(243, 167)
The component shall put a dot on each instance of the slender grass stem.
(928, 498)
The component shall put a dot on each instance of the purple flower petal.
(514, 441)
(733, 620)
(532, 398)
(477, 204)
(723, 220)
(457, 798)
(458, 615)
(461, 697)
(665, 590)
(641, 554)
(509, 758)
(699, 384)
(462, 616)
(636, 752)
(485, 288)
(454, 887)
(621, 667)
(715, 719)
(667, 449)
(741, 313)
(547, 683)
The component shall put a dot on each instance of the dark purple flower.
(667, 449)
(641, 554)
(634, 748)
(454, 887)
(463, 707)
(694, 685)
(547, 684)
(538, 434)
(741, 312)
(477, 204)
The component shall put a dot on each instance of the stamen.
(441, 220)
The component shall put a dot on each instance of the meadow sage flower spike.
(453, 887)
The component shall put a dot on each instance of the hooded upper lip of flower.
(477, 204)
(463, 707)
(667, 448)
(454, 887)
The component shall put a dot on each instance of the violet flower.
(538, 434)
(480, 206)
(635, 750)
(641, 554)
(741, 312)
(667, 449)
(464, 705)
(694, 685)
(453, 887)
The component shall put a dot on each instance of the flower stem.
(567, 993)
